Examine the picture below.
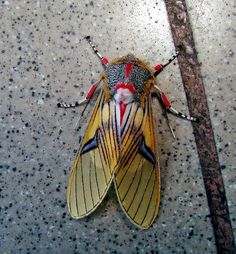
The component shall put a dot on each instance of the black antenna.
(103, 59)
(159, 68)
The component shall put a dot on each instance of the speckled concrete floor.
(214, 32)
(44, 59)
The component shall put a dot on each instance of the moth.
(119, 144)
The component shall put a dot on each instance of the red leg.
(78, 103)
(167, 105)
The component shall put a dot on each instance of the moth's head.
(130, 58)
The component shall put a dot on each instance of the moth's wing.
(94, 165)
(137, 178)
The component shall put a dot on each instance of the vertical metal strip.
(203, 132)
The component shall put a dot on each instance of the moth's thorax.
(127, 70)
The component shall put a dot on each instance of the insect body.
(119, 144)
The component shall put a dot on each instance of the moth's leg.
(168, 121)
(160, 67)
(103, 59)
(167, 105)
(71, 105)
(85, 100)
(156, 92)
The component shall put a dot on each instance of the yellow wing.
(137, 179)
(94, 165)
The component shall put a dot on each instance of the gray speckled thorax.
(138, 76)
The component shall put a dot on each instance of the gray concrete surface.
(213, 26)
(44, 59)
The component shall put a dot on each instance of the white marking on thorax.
(123, 95)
